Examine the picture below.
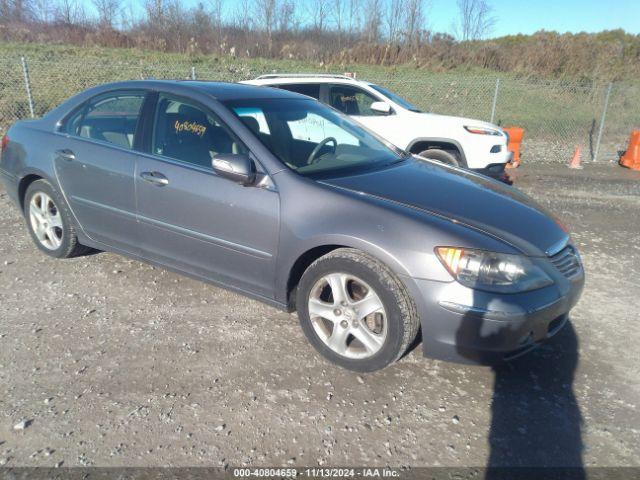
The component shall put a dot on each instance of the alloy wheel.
(348, 315)
(46, 221)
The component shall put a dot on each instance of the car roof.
(219, 90)
(238, 91)
(298, 79)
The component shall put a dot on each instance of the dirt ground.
(112, 362)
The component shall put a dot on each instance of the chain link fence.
(557, 116)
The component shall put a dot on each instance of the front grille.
(567, 262)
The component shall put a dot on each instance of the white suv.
(464, 142)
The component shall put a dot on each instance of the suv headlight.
(491, 271)
(483, 130)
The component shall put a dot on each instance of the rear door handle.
(66, 154)
(155, 177)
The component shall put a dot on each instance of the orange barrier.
(575, 161)
(515, 139)
(631, 158)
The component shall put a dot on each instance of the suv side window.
(351, 100)
(110, 118)
(190, 133)
(308, 89)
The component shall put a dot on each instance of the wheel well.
(299, 267)
(446, 146)
(23, 185)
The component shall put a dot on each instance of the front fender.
(319, 215)
(288, 259)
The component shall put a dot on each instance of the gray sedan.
(222, 182)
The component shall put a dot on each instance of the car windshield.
(395, 98)
(312, 139)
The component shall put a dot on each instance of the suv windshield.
(312, 139)
(395, 98)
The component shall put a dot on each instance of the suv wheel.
(49, 222)
(355, 311)
(440, 156)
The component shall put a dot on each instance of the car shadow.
(535, 418)
(91, 252)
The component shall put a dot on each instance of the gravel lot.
(112, 362)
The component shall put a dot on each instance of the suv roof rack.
(303, 75)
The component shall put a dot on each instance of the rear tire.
(441, 156)
(50, 223)
(369, 323)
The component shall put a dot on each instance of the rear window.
(110, 118)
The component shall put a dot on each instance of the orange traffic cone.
(631, 158)
(515, 139)
(575, 161)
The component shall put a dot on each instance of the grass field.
(556, 113)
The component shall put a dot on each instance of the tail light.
(5, 143)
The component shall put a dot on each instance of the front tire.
(49, 222)
(440, 156)
(355, 311)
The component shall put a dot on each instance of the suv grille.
(567, 262)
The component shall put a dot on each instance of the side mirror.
(382, 108)
(234, 166)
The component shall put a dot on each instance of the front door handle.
(66, 154)
(155, 177)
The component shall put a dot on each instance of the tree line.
(348, 21)
(387, 32)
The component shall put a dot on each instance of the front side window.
(190, 133)
(351, 100)
(111, 118)
(312, 139)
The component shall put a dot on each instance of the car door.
(95, 164)
(356, 103)
(195, 220)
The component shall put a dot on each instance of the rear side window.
(190, 133)
(111, 118)
(351, 100)
(308, 89)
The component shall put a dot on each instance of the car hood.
(471, 199)
(449, 121)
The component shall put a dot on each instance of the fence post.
(193, 73)
(27, 83)
(495, 100)
(602, 119)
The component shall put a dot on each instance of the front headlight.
(491, 271)
(483, 130)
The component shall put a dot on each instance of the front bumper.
(483, 151)
(496, 171)
(466, 326)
